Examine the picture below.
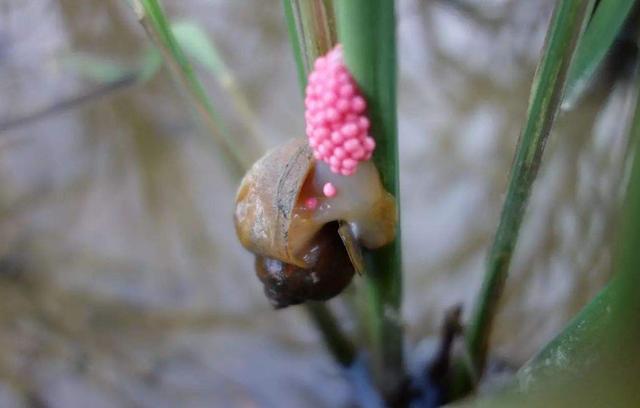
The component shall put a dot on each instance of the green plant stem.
(294, 39)
(366, 29)
(566, 25)
(156, 24)
(311, 26)
(338, 344)
(309, 23)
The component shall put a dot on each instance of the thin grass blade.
(152, 17)
(194, 40)
(591, 361)
(604, 26)
(566, 26)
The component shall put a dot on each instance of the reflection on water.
(121, 282)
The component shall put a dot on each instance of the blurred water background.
(121, 281)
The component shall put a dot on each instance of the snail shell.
(286, 284)
(266, 200)
(299, 253)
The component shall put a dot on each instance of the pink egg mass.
(336, 123)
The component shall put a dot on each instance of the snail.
(306, 207)
(300, 254)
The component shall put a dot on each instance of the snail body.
(299, 254)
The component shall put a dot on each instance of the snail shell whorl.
(266, 199)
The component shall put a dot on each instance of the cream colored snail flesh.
(291, 202)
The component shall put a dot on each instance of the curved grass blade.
(366, 29)
(566, 25)
(604, 26)
(194, 40)
(156, 24)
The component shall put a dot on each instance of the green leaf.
(195, 41)
(296, 43)
(604, 26)
(153, 19)
(564, 31)
(594, 361)
(311, 27)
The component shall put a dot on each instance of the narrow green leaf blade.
(193, 38)
(566, 25)
(195, 41)
(155, 22)
(604, 26)
(296, 42)
(594, 361)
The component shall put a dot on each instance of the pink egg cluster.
(337, 125)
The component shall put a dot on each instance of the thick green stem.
(366, 29)
(311, 30)
(566, 26)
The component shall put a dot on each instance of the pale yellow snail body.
(299, 253)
